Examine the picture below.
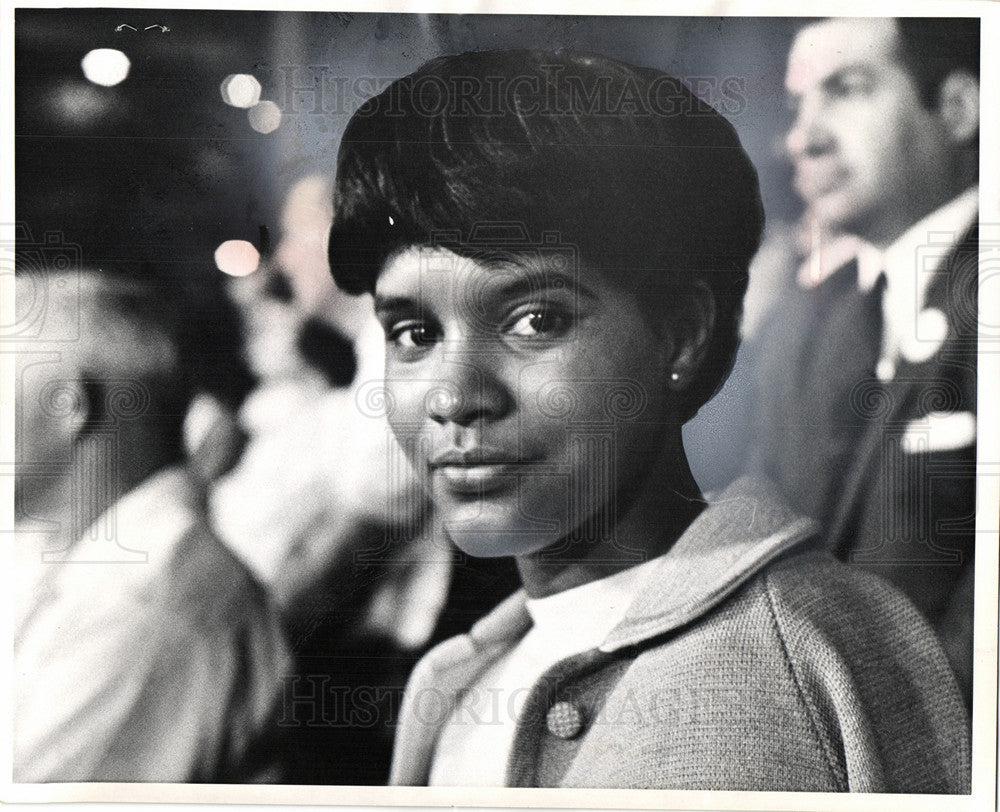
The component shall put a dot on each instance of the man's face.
(48, 397)
(869, 158)
(525, 395)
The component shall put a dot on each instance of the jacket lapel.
(954, 284)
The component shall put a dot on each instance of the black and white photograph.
(435, 407)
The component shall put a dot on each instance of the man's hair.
(623, 164)
(931, 48)
(156, 337)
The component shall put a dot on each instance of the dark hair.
(645, 182)
(931, 48)
(170, 330)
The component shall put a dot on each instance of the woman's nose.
(467, 391)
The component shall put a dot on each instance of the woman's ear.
(958, 106)
(691, 335)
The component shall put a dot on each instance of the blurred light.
(79, 103)
(237, 258)
(240, 90)
(265, 117)
(105, 66)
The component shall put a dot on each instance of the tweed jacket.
(874, 461)
(751, 660)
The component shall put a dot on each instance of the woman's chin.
(487, 540)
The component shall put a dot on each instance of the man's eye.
(539, 322)
(412, 336)
(851, 84)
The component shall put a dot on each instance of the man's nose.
(466, 391)
(810, 133)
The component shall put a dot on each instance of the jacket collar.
(743, 529)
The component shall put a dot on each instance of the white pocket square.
(939, 431)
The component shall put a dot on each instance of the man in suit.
(866, 415)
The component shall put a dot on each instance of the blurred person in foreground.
(866, 377)
(143, 650)
(325, 509)
(560, 285)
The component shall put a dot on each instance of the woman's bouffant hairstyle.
(624, 165)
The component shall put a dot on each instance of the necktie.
(885, 368)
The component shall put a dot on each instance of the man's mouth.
(815, 179)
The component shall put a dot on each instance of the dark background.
(160, 168)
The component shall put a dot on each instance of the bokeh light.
(240, 90)
(105, 66)
(264, 117)
(78, 103)
(237, 258)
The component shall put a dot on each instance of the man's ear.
(691, 335)
(958, 106)
(90, 399)
(68, 404)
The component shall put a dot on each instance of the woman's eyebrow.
(526, 284)
(393, 304)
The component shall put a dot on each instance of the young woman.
(558, 248)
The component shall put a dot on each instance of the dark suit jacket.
(832, 436)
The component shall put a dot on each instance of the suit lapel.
(889, 407)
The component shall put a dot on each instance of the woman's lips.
(479, 478)
(476, 471)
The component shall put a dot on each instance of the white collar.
(910, 330)
(938, 232)
(583, 616)
(909, 261)
(145, 523)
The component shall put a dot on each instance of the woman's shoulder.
(836, 669)
(815, 599)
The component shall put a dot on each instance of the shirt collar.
(125, 532)
(580, 618)
(941, 230)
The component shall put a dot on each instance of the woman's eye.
(539, 322)
(412, 336)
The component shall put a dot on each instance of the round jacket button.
(564, 720)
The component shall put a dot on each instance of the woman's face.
(529, 395)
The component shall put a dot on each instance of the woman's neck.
(649, 522)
